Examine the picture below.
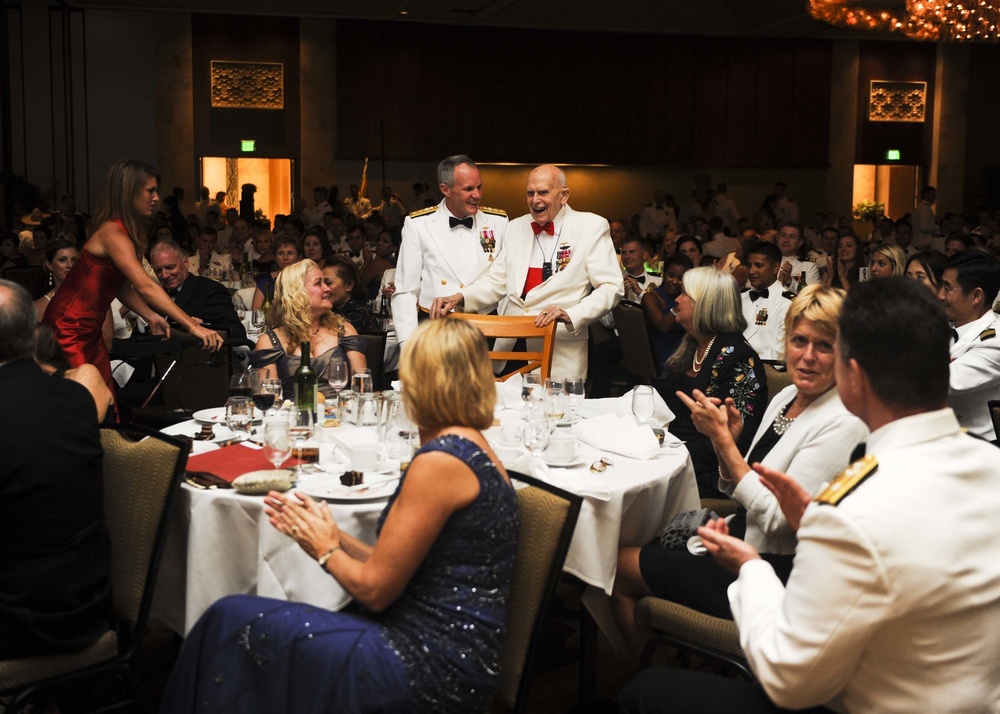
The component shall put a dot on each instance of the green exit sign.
(248, 145)
(893, 155)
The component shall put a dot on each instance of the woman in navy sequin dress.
(432, 590)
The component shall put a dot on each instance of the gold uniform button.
(444, 282)
(461, 285)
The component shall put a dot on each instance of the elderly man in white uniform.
(447, 246)
(894, 597)
(968, 287)
(558, 264)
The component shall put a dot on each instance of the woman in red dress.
(109, 266)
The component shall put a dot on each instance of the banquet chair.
(637, 341)
(547, 516)
(690, 631)
(507, 326)
(141, 482)
(375, 356)
(777, 377)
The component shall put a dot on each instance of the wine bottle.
(246, 269)
(266, 307)
(305, 383)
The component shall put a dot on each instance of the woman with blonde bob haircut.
(302, 313)
(806, 431)
(888, 260)
(447, 379)
(715, 359)
(437, 575)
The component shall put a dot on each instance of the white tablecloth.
(221, 543)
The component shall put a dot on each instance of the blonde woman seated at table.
(432, 589)
(302, 313)
(806, 432)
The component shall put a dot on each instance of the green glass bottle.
(305, 382)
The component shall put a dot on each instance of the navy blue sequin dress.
(436, 649)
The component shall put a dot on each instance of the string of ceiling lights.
(972, 20)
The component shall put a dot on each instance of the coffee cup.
(562, 448)
(365, 457)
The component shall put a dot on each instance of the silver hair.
(446, 169)
(17, 322)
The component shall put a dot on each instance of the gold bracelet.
(326, 556)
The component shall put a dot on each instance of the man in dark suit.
(55, 556)
(199, 297)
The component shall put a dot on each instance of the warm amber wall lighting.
(919, 19)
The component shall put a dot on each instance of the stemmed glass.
(536, 435)
(642, 403)
(555, 401)
(239, 416)
(267, 393)
(361, 381)
(574, 394)
(257, 319)
(277, 442)
(336, 375)
(240, 307)
(531, 389)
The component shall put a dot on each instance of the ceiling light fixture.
(968, 20)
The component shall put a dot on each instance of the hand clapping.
(309, 523)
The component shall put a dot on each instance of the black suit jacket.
(55, 556)
(211, 301)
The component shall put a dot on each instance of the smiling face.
(847, 249)
(61, 264)
(384, 245)
(463, 196)
(170, 267)
(880, 265)
(338, 289)
(810, 358)
(632, 257)
(959, 306)
(685, 310)
(145, 202)
(673, 279)
(319, 293)
(690, 249)
(546, 196)
(789, 240)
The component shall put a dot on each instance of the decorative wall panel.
(248, 85)
(897, 101)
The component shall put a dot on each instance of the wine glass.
(242, 384)
(266, 393)
(531, 389)
(336, 375)
(555, 401)
(277, 442)
(574, 387)
(536, 436)
(257, 320)
(239, 416)
(642, 403)
(240, 307)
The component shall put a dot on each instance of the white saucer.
(575, 461)
(329, 488)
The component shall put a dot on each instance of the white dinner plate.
(329, 488)
(217, 415)
(575, 461)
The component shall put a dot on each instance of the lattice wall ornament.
(897, 101)
(248, 85)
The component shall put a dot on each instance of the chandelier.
(918, 19)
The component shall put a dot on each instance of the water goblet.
(531, 390)
(643, 405)
(239, 416)
(257, 319)
(536, 436)
(574, 387)
(336, 375)
(277, 442)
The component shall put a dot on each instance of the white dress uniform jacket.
(766, 322)
(586, 287)
(436, 260)
(652, 283)
(975, 374)
(893, 603)
(798, 267)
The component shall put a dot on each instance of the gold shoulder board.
(493, 211)
(423, 212)
(987, 334)
(849, 479)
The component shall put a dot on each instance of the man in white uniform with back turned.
(447, 246)
(894, 599)
(557, 264)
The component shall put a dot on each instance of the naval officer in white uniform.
(764, 307)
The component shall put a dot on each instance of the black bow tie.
(467, 222)
(641, 279)
(754, 294)
(173, 292)
(355, 255)
(954, 334)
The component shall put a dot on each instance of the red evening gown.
(77, 311)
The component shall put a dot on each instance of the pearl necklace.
(697, 363)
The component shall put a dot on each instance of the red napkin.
(229, 462)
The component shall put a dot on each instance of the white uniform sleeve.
(409, 267)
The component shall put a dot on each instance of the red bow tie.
(548, 228)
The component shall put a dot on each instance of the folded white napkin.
(618, 434)
(623, 405)
(509, 393)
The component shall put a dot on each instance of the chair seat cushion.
(672, 619)
(17, 673)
